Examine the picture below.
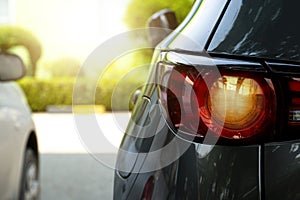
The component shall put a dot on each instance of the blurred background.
(54, 38)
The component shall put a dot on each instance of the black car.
(220, 115)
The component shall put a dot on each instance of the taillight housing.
(230, 104)
(294, 104)
(292, 108)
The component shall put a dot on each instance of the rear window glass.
(267, 29)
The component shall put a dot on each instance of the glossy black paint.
(265, 29)
(202, 172)
(282, 170)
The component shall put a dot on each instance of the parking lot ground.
(68, 171)
(75, 177)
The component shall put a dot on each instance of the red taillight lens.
(148, 189)
(294, 109)
(233, 106)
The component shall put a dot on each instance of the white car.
(19, 169)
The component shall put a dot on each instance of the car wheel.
(30, 177)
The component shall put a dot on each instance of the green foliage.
(139, 11)
(12, 36)
(62, 67)
(115, 93)
(41, 93)
(122, 78)
(113, 89)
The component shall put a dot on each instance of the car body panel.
(224, 173)
(16, 125)
(201, 172)
(282, 171)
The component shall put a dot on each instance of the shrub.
(41, 93)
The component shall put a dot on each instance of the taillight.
(148, 189)
(291, 109)
(294, 109)
(231, 105)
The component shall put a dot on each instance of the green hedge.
(41, 93)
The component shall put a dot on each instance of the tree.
(12, 36)
(138, 11)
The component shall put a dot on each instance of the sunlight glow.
(71, 27)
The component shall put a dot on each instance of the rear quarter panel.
(282, 170)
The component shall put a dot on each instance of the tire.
(30, 187)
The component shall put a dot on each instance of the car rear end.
(227, 84)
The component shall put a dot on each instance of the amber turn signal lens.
(236, 101)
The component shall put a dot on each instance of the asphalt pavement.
(68, 170)
(74, 176)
